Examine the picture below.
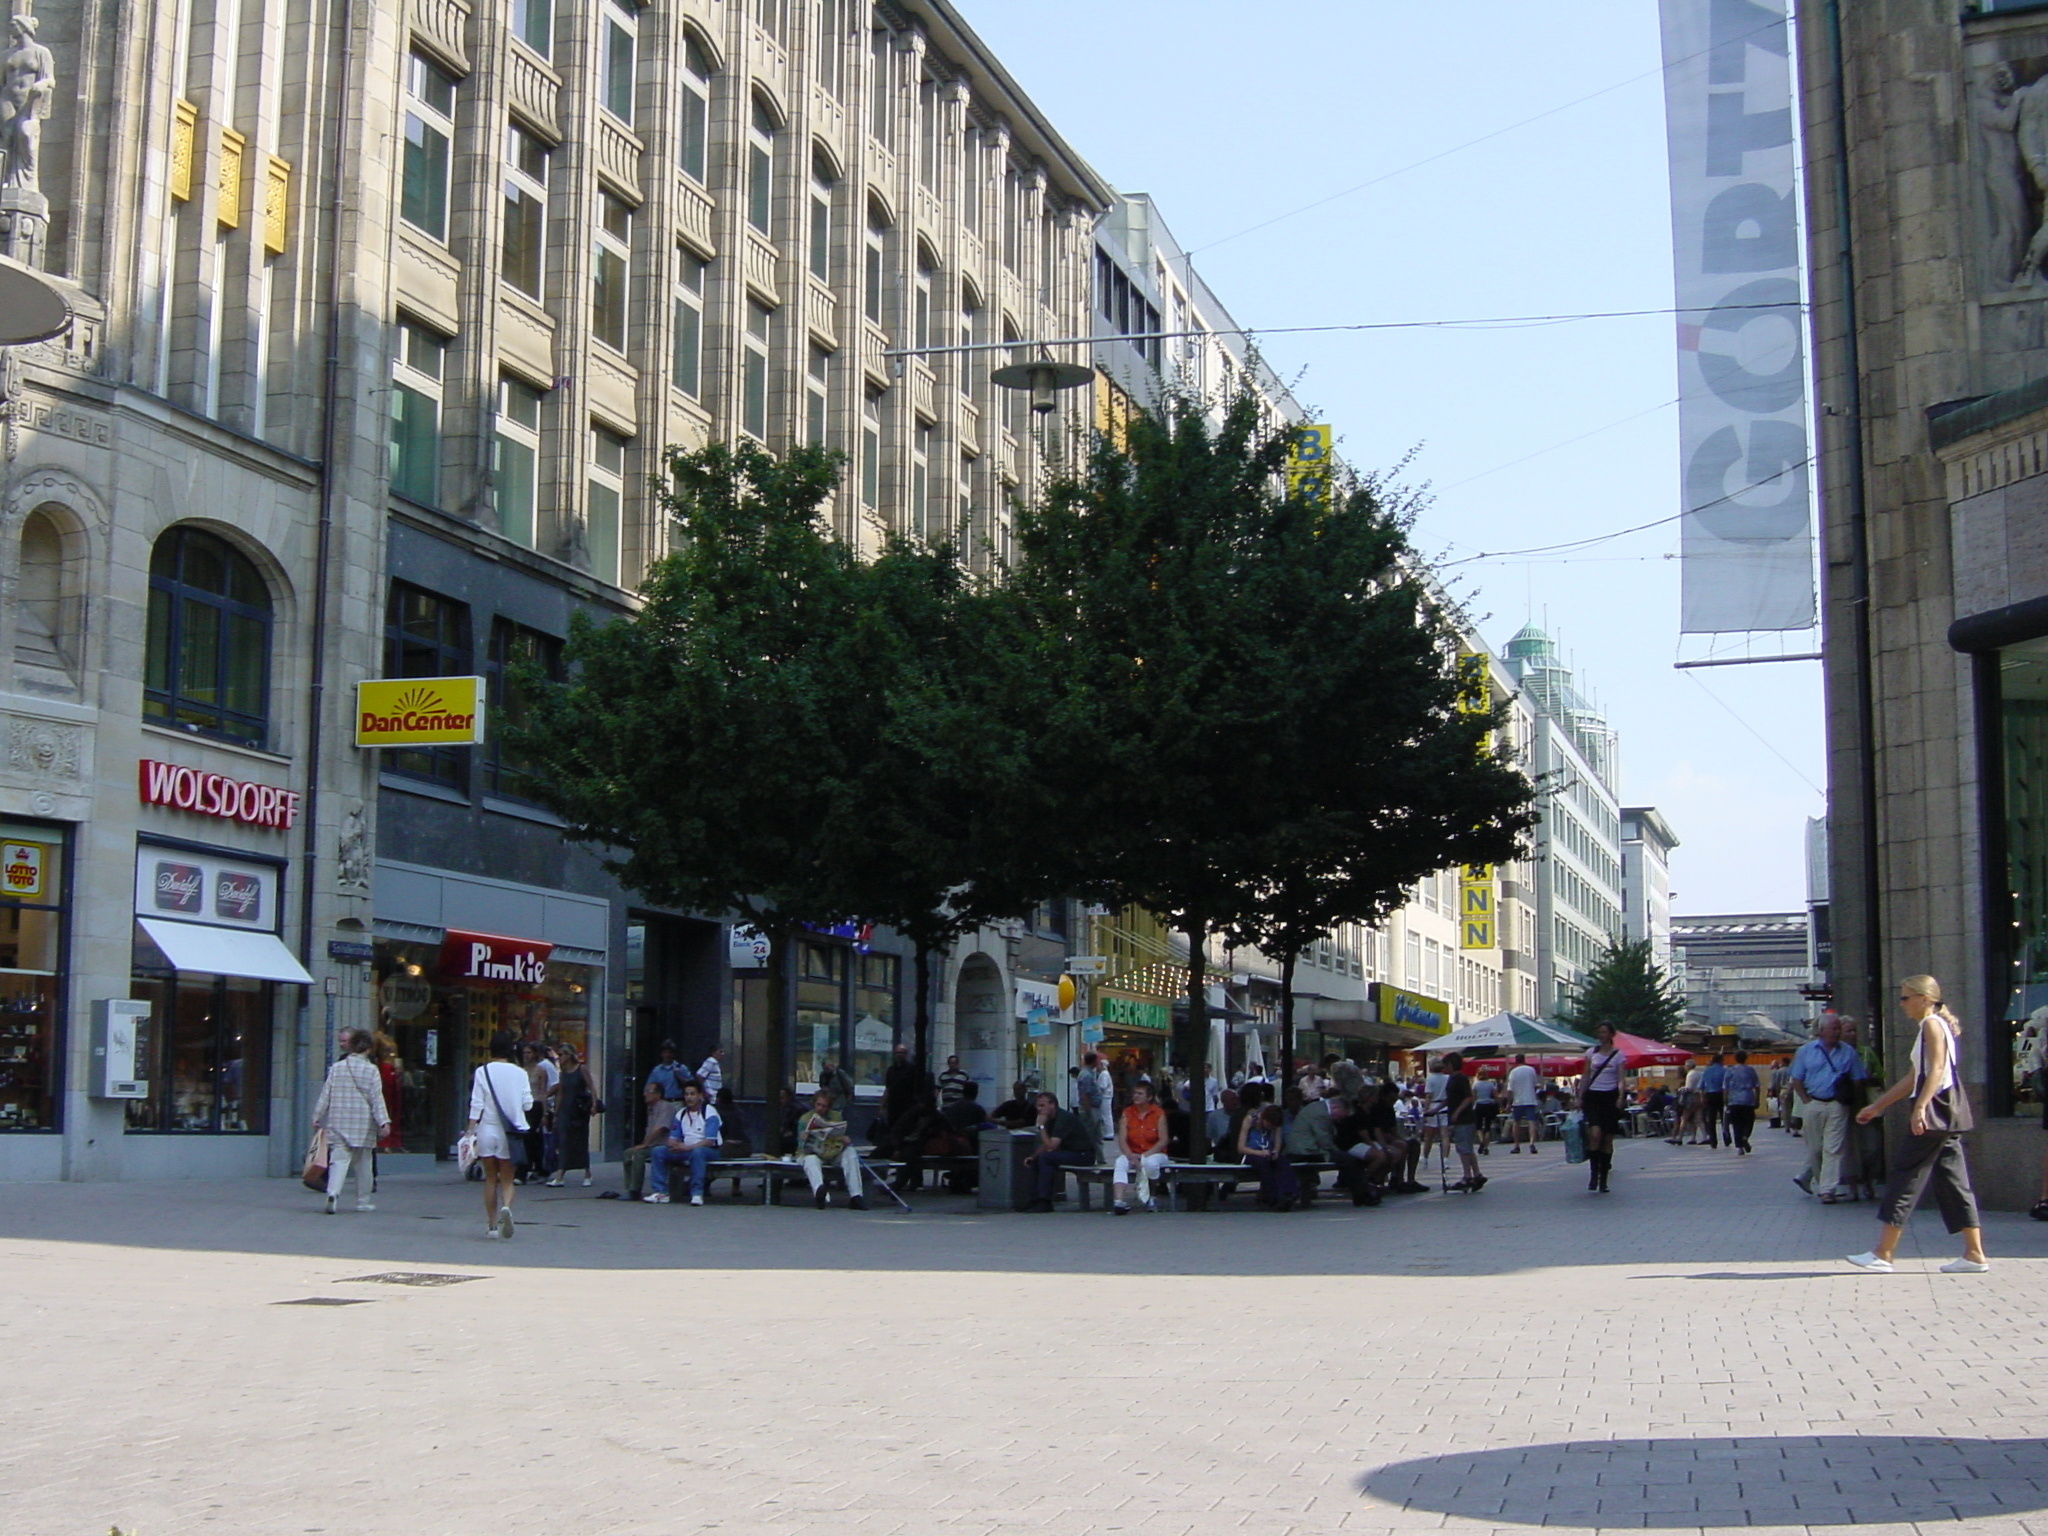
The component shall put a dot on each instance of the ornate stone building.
(1926, 130)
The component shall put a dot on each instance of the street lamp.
(1043, 378)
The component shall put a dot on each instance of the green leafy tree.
(1259, 729)
(1628, 989)
(702, 741)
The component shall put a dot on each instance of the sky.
(1525, 436)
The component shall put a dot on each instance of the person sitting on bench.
(660, 1116)
(1065, 1141)
(1140, 1144)
(692, 1139)
(822, 1139)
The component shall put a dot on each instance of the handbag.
(314, 1174)
(1948, 1113)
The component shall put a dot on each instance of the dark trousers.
(1937, 1158)
(1047, 1166)
(1741, 1121)
(1712, 1107)
(1277, 1185)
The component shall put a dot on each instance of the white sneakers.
(696, 1199)
(364, 1205)
(505, 1223)
(654, 1197)
(1872, 1262)
(330, 1205)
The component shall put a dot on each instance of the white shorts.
(490, 1140)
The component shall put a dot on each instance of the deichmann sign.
(491, 957)
(215, 794)
(420, 712)
(1411, 1009)
(1123, 1011)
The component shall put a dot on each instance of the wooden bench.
(1226, 1176)
(1085, 1178)
(773, 1172)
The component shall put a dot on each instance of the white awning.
(224, 951)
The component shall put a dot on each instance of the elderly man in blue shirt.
(1825, 1075)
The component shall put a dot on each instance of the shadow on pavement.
(1796, 1480)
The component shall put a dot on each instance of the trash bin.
(1005, 1181)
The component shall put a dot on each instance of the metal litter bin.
(1006, 1183)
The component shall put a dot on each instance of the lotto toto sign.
(420, 712)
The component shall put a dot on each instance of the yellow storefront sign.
(21, 869)
(1412, 1009)
(420, 712)
(1309, 463)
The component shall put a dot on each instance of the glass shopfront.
(438, 1020)
(2020, 702)
(33, 897)
(846, 1011)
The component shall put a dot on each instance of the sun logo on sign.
(418, 698)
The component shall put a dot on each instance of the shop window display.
(2022, 705)
(32, 894)
(821, 976)
(874, 1021)
(205, 1049)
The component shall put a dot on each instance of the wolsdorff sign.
(215, 794)
(420, 712)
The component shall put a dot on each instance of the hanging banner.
(1308, 463)
(1746, 538)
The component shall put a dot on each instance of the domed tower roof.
(1531, 644)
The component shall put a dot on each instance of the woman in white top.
(1933, 1152)
(1600, 1098)
(353, 1114)
(500, 1096)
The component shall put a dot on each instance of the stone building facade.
(1926, 174)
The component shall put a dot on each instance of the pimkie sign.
(492, 957)
(420, 712)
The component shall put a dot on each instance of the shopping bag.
(314, 1175)
(1575, 1137)
(465, 1153)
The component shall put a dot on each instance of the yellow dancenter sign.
(420, 712)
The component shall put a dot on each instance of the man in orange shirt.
(1140, 1143)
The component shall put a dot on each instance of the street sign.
(1087, 965)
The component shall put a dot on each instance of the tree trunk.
(921, 1047)
(1195, 1052)
(1287, 960)
(775, 1054)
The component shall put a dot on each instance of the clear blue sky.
(1230, 116)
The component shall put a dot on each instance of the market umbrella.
(1638, 1052)
(1508, 1032)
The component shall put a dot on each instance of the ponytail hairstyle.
(1929, 988)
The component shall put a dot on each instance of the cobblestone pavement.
(1687, 1354)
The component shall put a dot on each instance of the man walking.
(1714, 1098)
(1522, 1087)
(1741, 1090)
(1088, 1094)
(1824, 1072)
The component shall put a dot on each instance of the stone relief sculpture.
(28, 81)
(2012, 123)
(352, 861)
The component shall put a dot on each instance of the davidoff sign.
(215, 794)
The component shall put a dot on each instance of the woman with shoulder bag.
(352, 1113)
(1934, 1151)
(575, 1102)
(1600, 1102)
(500, 1106)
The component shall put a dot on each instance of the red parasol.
(1638, 1052)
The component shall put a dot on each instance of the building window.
(874, 1022)
(921, 303)
(33, 904)
(817, 397)
(206, 1049)
(612, 248)
(513, 647)
(686, 357)
(916, 517)
(429, 129)
(1013, 219)
(881, 84)
(973, 371)
(768, 16)
(526, 210)
(761, 170)
(533, 23)
(876, 267)
(754, 370)
(1014, 400)
(823, 187)
(693, 128)
(2015, 697)
(607, 502)
(515, 460)
(207, 666)
(829, 47)
(871, 448)
(928, 133)
(427, 635)
(970, 181)
(616, 39)
(416, 414)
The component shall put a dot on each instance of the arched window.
(208, 666)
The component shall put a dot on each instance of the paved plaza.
(1687, 1354)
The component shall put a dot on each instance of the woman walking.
(500, 1100)
(352, 1114)
(1933, 1152)
(1600, 1101)
(575, 1102)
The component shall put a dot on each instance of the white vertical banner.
(1746, 540)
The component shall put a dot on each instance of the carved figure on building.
(28, 82)
(2012, 122)
(352, 860)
